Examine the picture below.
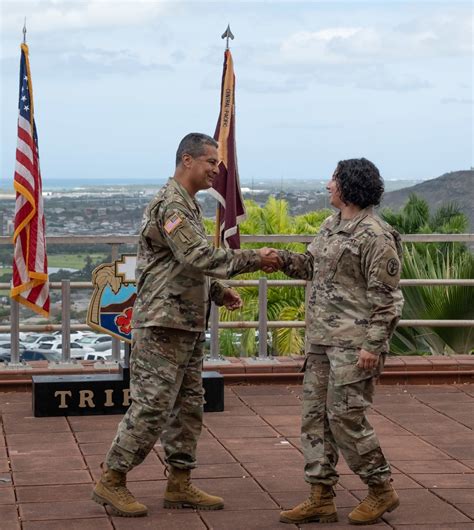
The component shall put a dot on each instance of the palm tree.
(436, 303)
(422, 260)
(415, 218)
(434, 260)
(283, 303)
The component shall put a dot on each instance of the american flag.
(226, 187)
(30, 285)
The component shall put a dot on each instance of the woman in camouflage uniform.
(354, 267)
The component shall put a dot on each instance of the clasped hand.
(270, 260)
(232, 300)
(367, 360)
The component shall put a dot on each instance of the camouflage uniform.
(174, 264)
(355, 303)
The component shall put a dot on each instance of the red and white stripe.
(30, 265)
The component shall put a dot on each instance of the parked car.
(108, 353)
(40, 355)
(96, 342)
(5, 351)
(238, 347)
(5, 347)
(98, 356)
(73, 335)
(33, 340)
(77, 350)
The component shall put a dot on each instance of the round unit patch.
(392, 266)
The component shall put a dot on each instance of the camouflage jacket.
(175, 263)
(354, 268)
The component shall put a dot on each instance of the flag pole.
(30, 270)
(214, 317)
(14, 305)
(217, 234)
(217, 239)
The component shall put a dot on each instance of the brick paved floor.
(251, 455)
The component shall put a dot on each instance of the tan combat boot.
(112, 490)
(380, 499)
(181, 493)
(318, 508)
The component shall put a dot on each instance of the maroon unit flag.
(226, 187)
(30, 285)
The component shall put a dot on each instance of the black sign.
(82, 395)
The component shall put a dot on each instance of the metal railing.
(262, 283)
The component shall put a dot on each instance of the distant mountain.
(457, 186)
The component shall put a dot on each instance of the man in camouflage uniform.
(354, 265)
(176, 279)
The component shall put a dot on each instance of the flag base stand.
(15, 366)
(217, 360)
(100, 365)
(261, 360)
(65, 365)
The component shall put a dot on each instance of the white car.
(74, 335)
(33, 340)
(77, 350)
(96, 342)
(98, 356)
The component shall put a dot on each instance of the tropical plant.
(434, 261)
(436, 303)
(283, 303)
(421, 261)
(415, 218)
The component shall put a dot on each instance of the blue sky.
(117, 84)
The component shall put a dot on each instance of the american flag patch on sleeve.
(174, 221)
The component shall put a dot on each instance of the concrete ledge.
(398, 371)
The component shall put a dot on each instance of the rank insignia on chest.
(173, 222)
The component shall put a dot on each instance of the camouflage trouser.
(166, 399)
(336, 395)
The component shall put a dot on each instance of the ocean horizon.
(81, 183)
(75, 183)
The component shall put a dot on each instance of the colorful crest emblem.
(111, 305)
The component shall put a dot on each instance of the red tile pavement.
(251, 455)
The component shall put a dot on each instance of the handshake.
(270, 259)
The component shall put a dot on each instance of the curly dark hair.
(359, 182)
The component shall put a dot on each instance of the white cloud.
(63, 15)
(457, 101)
(446, 35)
(308, 47)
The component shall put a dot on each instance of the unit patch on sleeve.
(172, 223)
(392, 266)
